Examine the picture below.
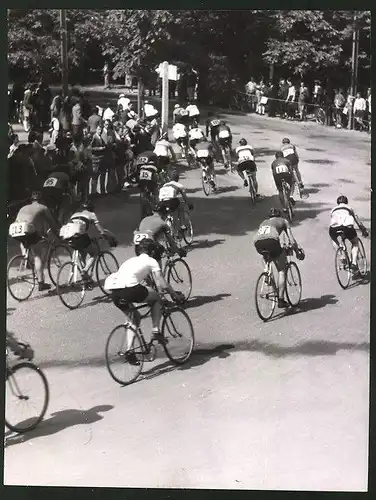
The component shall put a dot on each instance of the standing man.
(106, 74)
(77, 118)
(250, 89)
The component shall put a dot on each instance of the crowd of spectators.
(293, 101)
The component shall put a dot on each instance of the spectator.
(55, 130)
(369, 109)
(191, 84)
(66, 115)
(43, 104)
(98, 148)
(16, 97)
(282, 95)
(108, 114)
(77, 119)
(56, 105)
(290, 100)
(272, 96)
(14, 145)
(339, 104)
(108, 136)
(85, 106)
(79, 162)
(106, 74)
(27, 108)
(360, 110)
(123, 101)
(250, 89)
(317, 93)
(122, 114)
(93, 121)
(303, 101)
(149, 110)
(183, 87)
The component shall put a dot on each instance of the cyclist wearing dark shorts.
(55, 186)
(212, 125)
(246, 163)
(267, 242)
(290, 153)
(147, 172)
(282, 171)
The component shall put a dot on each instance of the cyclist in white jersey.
(169, 197)
(246, 163)
(196, 135)
(179, 132)
(163, 151)
(342, 219)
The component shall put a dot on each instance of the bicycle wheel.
(27, 397)
(118, 355)
(179, 277)
(105, 265)
(342, 266)
(57, 255)
(252, 193)
(206, 186)
(178, 330)
(70, 285)
(293, 284)
(188, 232)
(266, 296)
(320, 116)
(287, 205)
(21, 277)
(362, 259)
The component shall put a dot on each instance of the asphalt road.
(281, 405)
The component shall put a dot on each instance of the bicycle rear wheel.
(293, 284)
(105, 265)
(206, 186)
(57, 255)
(342, 267)
(21, 277)
(362, 259)
(70, 285)
(252, 192)
(287, 205)
(27, 397)
(266, 296)
(188, 232)
(120, 349)
(178, 331)
(179, 277)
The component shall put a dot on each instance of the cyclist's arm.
(172, 153)
(288, 231)
(97, 224)
(357, 220)
(207, 127)
(52, 223)
(161, 283)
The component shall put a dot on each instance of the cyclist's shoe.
(245, 183)
(159, 338)
(182, 252)
(354, 267)
(282, 304)
(258, 195)
(43, 286)
(24, 352)
(292, 201)
(365, 233)
(301, 185)
(88, 281)
(183, 227)
(131, 358)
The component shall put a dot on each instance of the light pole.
(64, 51)
(354, 68)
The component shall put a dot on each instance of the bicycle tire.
(57, 261)
(31, 278)
(320, 116)
(188, 233)
(362, 252)
(342, 261)
(206, 186)
(252, 193)
(292, 265)
(138, 350)
(106, 269)
(11, 371)
(264, 278)
(173, 346)
(62, 288)
(174, 278)
(287, 205)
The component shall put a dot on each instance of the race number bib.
(281, 169)
(161, 150)
(51, 182)
(223, 134)
(288, 151)
(214, 123)
(202, 153)
(20, 229)
(141, 160)
(145, 175)
(245, 156)
(195, 134)
(263, 230)
(166, 193)
(72, 229)
(139, 237)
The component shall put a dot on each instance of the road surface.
(281, 405)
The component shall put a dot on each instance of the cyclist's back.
(271, 229)
(153, 225)
(38, 215)
(342, 215)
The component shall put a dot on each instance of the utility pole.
(164, 75)
(354, 68)
(64, 51)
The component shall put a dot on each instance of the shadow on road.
(360, 280)
(205, 299)
(10, 310)
(319, 161)
(312, 303)
(205, 243)
(227, 189)
(58, 421)
(315, 150)
(345, 181)
(320, 185)
(301, 213)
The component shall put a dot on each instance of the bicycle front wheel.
(179, 277)
(252, 193)
(287, 205)
(57, 255)
(188, 231)
(362, 259)
(206, 186)
(342, 266)
(293, 284)
(21, 277)
(266, 296)
(105, 265)
(27, 397)
(70, 285)
(178, 331)
(124, 354)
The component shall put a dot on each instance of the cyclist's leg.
(254, 179)
(154, 300)
(351, 235)
(333, 233)
(280, 263)
(39, 252)
(92, 251)
(241, 171)
(298, 175)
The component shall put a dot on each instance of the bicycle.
(175, 225)
(126, 347)
(251, 187)
(342, 262)
(18, 386)
(227, 158)
(21, 275)
(320, 115)
(70, 283)
(174, 270)
(268, 290)
(287, 201)
(303, 195)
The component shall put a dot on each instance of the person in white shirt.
(195, 136)
(342, 219)
(149, 110)
(169, 197)
(54, 130)
(179, 132)
(360, 108)
(164, 150)
(128, 286)
(194, 114)
(108, 114)
(246, 163)
(123, 101)
(290, 100)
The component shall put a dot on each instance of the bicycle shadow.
(100, 299)
(58, 421)
(358, 280)
(205, 299)
(205, 243)
(227, 189)
(305, 305)
(10, 310)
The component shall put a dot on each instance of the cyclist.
(204, 151)
(76, 232)
(181, 137)
(147, 178)
(127, 287)
(195, 136)
(282, 171)
(246, 163)
(163, 150)
(55, 187)
(34, 220)
(342, 219)
(194, 114)
(24, 351)
(290, 153)
(212, 124)
(224, 138)
(169, 195)
(267, 240)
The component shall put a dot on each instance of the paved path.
(282, 405)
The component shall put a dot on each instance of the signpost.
(164, 74)
(64, 51)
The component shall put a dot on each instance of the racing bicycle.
(266, 291)
(287, 201)
(342, 262)
(181, 226)
(127, 349)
